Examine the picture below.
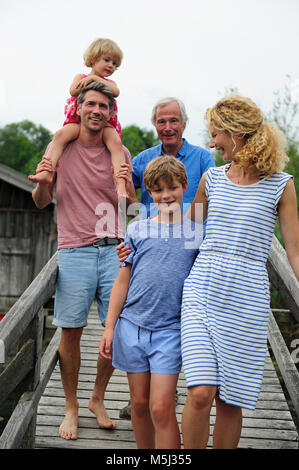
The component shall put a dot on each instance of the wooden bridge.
(32, 399)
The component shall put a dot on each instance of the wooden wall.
(27, 241)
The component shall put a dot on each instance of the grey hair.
(163, 102)
(100, 87)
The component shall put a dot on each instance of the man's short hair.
(101, 88)
(165, 167)
(163, 102)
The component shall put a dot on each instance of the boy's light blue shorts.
(84, 274)
(137, 349)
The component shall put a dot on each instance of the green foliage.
(218, 159)
(22, 145)
(285, 111)
(293, 166)
(137, 140)
(284, 114)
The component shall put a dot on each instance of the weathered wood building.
(27, 236)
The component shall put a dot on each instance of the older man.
(170, 118)
(88, 231)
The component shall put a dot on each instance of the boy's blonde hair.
(166, 168)
(102, 47)
(265, 147)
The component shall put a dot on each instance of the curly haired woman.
(226, 295)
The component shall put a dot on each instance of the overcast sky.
(192, 49)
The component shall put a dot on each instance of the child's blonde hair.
(101, 47)
(265, 147)
(166, 168)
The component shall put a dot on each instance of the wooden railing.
(283, 278)
(25, 373)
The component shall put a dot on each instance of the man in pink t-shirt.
(88, 232)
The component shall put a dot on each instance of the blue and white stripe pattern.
(226, 295)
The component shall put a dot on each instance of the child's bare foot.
(121, 191)
(42, 177)
(122, 194)
(122, 212)
(69, 426)
(97, 407)
(120, 184)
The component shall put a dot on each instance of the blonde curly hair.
(101, 47)
(265, 144)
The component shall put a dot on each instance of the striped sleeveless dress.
(226, 296)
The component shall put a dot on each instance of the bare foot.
(121, 188)
(122, 193)
(69, 426)
(42, 177)
(97, 407)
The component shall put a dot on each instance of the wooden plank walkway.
(269, 426)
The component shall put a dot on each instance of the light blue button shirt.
(196, 160)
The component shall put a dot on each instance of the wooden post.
(37, 332)
(283, 278)
(21, 380)
(285, 363)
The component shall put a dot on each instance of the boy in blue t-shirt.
(143, 320)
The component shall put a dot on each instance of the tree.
(137, 139)
(284, 114)
(22, 145)
(285, 111)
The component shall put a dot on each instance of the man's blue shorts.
(137, 349)
(84, 274)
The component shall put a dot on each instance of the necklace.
(242, 179)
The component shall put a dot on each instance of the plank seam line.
(2, 351)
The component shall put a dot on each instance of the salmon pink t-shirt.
(86, 196)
